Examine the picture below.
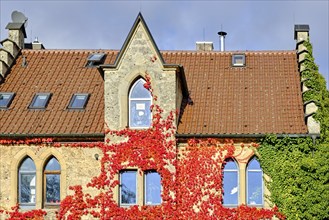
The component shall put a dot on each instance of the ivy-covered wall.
(299, 167)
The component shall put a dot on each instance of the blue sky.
(175, 25)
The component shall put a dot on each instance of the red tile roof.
(62, 73)
(263, 97)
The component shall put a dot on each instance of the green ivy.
(299, 168)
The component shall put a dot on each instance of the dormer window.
(78, 101)
(40, 101)
(238, 60)
(95, 59)
(5, 99)
(139, 106)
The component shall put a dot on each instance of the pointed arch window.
(27, 183)
(255, 189)
(140, 101)
(231, 184)
(52, 177)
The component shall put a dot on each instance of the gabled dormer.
(138, 57)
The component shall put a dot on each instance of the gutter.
(244, 135)
(78, 136)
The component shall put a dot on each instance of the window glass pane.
(53, 164)
(128, 187)
(139, 91)
(230, 184)
(27, 188)
(140, 113)
(27, 165)
(255, 188)
(78, 101)
(254, 165)
(40, 101)
(4, 100)
(152, 188)
(52, 188)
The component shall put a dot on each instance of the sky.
(175, 25)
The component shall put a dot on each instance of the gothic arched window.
(254, 183)
(27, 183)
(140, 101)
(52, 179)
(231, 183)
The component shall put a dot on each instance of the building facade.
(55, 102)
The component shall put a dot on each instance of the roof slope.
(62, 73)
(263, 97)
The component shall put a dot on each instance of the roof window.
(238, 60)
(78, 101)
(95, 59)
(5, 99)
(40, 101)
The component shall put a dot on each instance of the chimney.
(14, 43)
(301, 34)
(222, 35)
(36, 45)
(204, 46)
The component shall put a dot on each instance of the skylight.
(238, 60)
(78, 101)
(40, 101)
(5, 99)
(95, 59)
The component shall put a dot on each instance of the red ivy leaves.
(15, 214)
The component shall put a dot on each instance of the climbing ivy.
(299, 167)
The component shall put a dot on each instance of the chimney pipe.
(222, 35)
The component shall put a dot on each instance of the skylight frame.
(236, 57)
(95, 59)
(35, 97)
(73, 98)
(10, 99)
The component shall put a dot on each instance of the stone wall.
(78, 166)
(139, 58)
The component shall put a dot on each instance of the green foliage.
(299, 169)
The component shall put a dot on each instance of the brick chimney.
(14, 43)
(301, 34)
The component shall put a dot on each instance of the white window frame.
(243, 57)
(247, 183)
(137, 99)
(238, 181)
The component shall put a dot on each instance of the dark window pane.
(230, 184)
(5, 99)
(128, 187)
(40, 100)
(52, 188)
(152, 188)
(140, 113)
(27, 188)
(78, 101)
(53, 164)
